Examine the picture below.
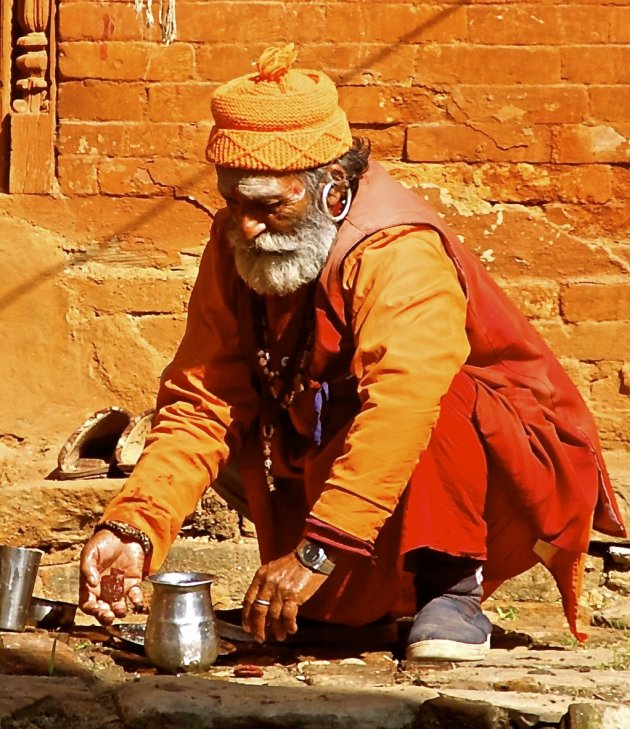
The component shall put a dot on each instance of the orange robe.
(207, 403)
(406, 334)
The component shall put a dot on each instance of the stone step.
(233, 564)
(54, 514)
(59, 516)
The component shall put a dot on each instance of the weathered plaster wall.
(512, 118)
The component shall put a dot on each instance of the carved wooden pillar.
(32, 120)
(31, 63)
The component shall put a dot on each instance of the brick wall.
(512, 118)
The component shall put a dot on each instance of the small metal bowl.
(51, 614)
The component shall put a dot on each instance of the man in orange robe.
(403, 439)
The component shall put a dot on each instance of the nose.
(251, 226)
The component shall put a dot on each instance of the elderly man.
(352, 379)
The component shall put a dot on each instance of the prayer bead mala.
(283, 384)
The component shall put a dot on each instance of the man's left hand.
(273, 599)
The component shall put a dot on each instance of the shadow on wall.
(103, 255)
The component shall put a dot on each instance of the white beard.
(280, 263)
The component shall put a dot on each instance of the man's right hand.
(102, 553)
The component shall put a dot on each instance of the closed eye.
(266, 207)
(272, 207)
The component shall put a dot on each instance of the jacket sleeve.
(408, 319)
(206, 403)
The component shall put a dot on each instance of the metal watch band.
(323, 565)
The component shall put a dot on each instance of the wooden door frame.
(6, 47)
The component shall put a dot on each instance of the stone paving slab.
(188, 701)
(591, 716)
(185, 701)
(599, 684)
(376, 670)
(543, 709)
(542, 683)
(63, 702)
(290, 687)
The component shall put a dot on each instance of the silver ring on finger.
(259, 601)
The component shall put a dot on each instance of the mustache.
(305, 233)
(280, 263)
(276, 243)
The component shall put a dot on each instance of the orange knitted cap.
(279, 119)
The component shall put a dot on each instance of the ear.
(339, 177)
(337, 173)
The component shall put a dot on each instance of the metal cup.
(181, 633)
(18, 571)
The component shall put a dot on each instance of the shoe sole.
(447, 650)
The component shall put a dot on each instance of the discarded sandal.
(89, 451)
(131, 442)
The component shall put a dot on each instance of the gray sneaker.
(449, 624)
(450, 628)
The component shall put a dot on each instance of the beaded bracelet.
(120, 529)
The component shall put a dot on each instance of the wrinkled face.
(279, 234)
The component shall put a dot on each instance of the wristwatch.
(314, 557)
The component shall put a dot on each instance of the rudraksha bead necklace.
(281, 385)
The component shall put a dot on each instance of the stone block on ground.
(171, 702)
(212, 518)
(537, 709)
(350, 673)
(51, 702)
(462, 713)
(615, 615)
(38, 654)
(233, 563)
(44, 513)
(599, 716)
(58, 581)
(619, 582)
(53, 513)
(544, 681)
(618, 464)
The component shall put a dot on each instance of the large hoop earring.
(326, 192)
